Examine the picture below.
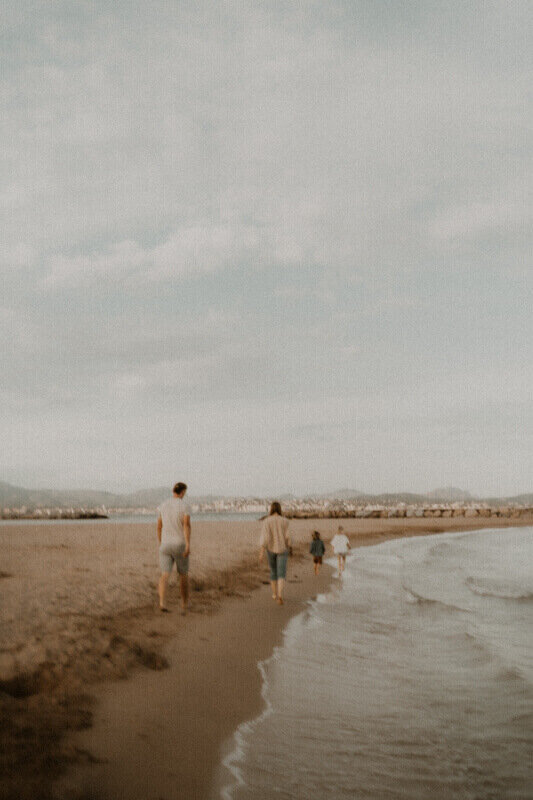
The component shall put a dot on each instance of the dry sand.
(78, 606)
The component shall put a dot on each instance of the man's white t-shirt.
(172, 512)
(340, 544)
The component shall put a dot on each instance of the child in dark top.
(317, 550)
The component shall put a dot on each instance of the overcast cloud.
(267, 246)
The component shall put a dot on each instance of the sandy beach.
(79, 612)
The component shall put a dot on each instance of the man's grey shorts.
(169, 552)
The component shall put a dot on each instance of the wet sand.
(79, 607)
(160, 736)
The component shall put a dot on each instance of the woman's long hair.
(275, 508)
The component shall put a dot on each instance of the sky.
(266, 246)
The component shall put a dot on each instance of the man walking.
(174, 536)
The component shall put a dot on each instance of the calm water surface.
(133, 519)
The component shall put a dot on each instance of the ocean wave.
(422, 600)
(441, 548)
(488, 587)
(233, 762)
(511, 674)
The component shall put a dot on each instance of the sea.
(411, 680)
(137, 519)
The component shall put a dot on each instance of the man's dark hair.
(179, 488)
(275, 508)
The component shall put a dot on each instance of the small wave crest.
(416, 598)
(232, 763)
(511, 675)
(506, 590)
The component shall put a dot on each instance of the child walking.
(317, 550)
(341, 545)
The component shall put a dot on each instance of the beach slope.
(79, 615)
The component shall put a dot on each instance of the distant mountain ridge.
(450, 493)
(17, 496)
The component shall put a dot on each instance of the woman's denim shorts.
(278, 564)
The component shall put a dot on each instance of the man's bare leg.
(184, 592)
(281, 586)
(163, 581)
(274, 587)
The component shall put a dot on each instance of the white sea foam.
(506, 589)
(242, 736)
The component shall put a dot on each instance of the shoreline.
(205, 663)
(193, 708)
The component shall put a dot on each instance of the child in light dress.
(341, 545)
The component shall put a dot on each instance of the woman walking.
(276, 541)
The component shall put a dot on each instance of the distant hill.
(150, 498)
(144, 498)
(396, 497)
(12, 495)
(449, 494)
(342, 494)
(521, 499)
(338, 494)
(17, 496)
